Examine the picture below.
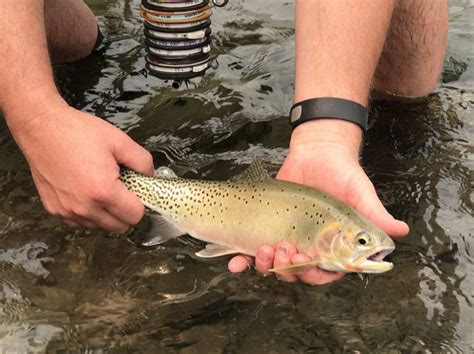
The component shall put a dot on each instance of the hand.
(326, 160)
(74, 159)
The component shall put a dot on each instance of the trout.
(253, 209)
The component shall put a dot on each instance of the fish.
(252, 209)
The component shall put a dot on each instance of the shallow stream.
(63, 290)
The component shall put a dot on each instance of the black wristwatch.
(329, 108)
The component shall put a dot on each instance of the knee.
(412, 58)
(71, 30)
(395, 87)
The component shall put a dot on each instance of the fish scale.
(238, 216)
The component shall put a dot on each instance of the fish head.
(351, 247)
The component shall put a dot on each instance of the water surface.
(66, 290)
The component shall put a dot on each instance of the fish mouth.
(374, 263)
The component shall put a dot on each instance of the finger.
(314, 275)
(108, 222)
(285, 250)
(70, 223)
(239, 263)
(264, 259)
(126, 207)
(79, 222)
(69, 219)
(372, 207)
(129, 153)
(82, 221)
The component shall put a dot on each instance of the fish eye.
(363, 238)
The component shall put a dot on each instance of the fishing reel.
(178, 37)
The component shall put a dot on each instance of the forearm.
(338, 45)
(27, 87)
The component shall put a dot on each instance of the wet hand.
(324, 154)
(332, 166)
(283, 254)
(74, 159)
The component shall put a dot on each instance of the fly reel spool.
(178, 37)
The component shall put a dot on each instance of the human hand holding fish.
(239, 216)
(74, 159)
(324, 155)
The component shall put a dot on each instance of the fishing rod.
(178, 37)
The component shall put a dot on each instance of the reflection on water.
(64, 290)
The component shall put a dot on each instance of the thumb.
(128, 153)
(369, 204)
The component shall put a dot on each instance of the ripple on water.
(80, 291)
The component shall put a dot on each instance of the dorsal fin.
(255, 172)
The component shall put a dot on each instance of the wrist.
(328, 134)
(25, 111)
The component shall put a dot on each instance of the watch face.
(295, 114)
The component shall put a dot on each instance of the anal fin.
(213, 250)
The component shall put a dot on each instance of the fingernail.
(282, 250)
(265, 258)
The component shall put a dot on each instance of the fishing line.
(178, 37)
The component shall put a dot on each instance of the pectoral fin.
(295, 268)
(161, 231)
(213, 250)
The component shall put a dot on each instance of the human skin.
(394, 49)
(69, 190)
(74, 157)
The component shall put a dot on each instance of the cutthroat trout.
(254, 209)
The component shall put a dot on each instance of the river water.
(70, 291)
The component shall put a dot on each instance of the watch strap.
(329, 108)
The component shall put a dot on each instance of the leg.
(413, 55)
(71, 29)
